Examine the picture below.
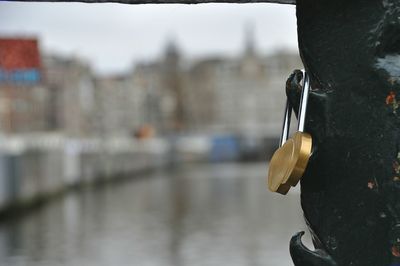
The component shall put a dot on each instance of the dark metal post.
(351, 188)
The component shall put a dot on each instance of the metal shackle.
(302, 111)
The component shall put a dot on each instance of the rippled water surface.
(198, 215)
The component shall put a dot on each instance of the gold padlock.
(290, 160)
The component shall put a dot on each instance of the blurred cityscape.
(49, 93)
(175, 109)
(62, 126)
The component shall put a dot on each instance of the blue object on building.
(20, 77)
(3, 76)
(224, 148)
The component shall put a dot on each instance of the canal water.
(207, 214)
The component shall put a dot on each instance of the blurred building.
(249, 93)
(163, 89)
(23, 98)
(71, 95)
(200, 96)
(117, 106)
(173, 101)
(149, 106)
(244, 95)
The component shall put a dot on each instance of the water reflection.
(198, 215)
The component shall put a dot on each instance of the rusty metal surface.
(292, 2)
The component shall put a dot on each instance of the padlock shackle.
(286, 124)
(302, 111)
(303, 101)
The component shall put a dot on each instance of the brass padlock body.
(289, 162)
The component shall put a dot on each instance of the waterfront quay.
(35, 168)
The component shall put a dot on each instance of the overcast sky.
(113, 37)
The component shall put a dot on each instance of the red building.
(19, 61)
(23, 98)
(19, 54)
